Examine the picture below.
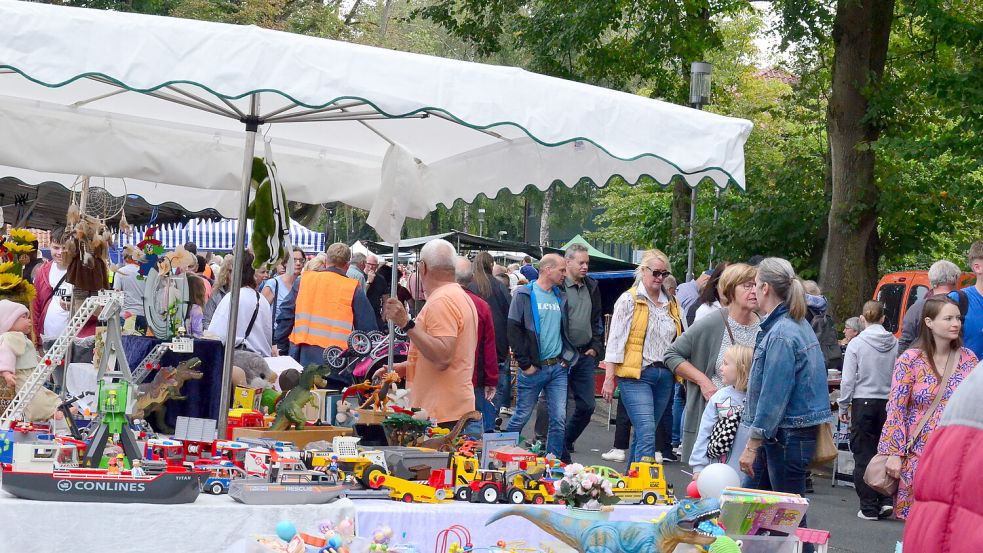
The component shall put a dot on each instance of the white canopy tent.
(166, 100)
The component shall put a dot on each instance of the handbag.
(722, 436)
(876, 475)
(826, 449)
(249, 328)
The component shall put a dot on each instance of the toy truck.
(487, 487)
(527, 489)
(221, 474)
(363, 466)
(645, 483)
(465, 470)
(435, 490)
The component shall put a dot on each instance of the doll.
(18, 359)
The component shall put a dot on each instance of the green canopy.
(591, 250)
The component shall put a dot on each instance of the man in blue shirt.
(537, 330)
(527, 270)
(970, 302)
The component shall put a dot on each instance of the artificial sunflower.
(22, 236)
(9, 281)
(18, 248)
(6, 266)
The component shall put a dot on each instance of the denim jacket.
(787, 386)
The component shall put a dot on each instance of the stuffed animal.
(257, 372)
(270, 239)
(87, 243)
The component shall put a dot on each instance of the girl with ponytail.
(787, 397)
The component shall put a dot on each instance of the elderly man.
(537, 330)
(356, 268)
(376, 287)
(485, 377)
(943, 277)
(322, 309)
(443, 339)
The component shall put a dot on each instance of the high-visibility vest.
(324, 316)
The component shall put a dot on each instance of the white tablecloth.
(219, 524)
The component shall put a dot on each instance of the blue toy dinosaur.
(686, 523)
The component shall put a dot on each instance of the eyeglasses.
(657, 273)
(748, 286)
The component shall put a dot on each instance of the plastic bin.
(767, 544)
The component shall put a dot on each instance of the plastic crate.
(768, 544)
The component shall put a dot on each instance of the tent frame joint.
(252, 122)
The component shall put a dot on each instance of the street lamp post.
(481, 221)
(699, 96)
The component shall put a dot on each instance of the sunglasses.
(659, 274)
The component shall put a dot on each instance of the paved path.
(833, 509)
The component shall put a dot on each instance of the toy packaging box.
(760, 513)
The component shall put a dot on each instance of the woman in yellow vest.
(646, 320)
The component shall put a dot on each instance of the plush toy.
(345, 415)
(255, 369)
(270, 239)
(152, 248)
(725, 544)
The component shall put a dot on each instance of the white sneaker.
(616, 455)
(861, 515)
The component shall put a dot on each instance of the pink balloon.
(692, 490)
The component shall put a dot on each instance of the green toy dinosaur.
(680, 525)
(290, 410)
(725, 544)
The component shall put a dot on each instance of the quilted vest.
(631, 366)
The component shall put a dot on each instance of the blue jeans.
(552, 379)
(678, 410)
(487, 410)
(645, 400)
(782, 464)
(581, 384)
(503, 393)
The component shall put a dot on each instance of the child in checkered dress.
(723, 413)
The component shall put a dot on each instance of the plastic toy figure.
(114, 465)
(333, 467)
(137, 469)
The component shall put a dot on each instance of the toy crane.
(110, 302)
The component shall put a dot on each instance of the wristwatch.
(409, 324)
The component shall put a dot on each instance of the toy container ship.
(50, 472)
(288, 483)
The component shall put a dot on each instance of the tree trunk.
(848, 272)
(544, 221)
(465, 218)
(680, 211)
(435, 221)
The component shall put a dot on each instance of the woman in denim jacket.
(787, 397)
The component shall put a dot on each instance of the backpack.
(825, 331)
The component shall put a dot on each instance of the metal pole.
(713, 245)
(252, 125)
(692, 227)
(392, 294)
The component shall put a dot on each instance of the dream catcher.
(87, 238)
(165, 299)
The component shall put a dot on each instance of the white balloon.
(714, 478)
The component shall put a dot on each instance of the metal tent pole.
(393, 294)
(252, 126)
(691, 251)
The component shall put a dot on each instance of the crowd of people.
(731, 367)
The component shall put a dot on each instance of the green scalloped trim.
(730, 179)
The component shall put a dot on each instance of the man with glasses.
(538, 335)
(376, 287)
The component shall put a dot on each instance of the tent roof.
(392, 132)
(591, 250)
(465, 241)
(53, 198)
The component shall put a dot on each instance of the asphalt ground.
(831, 508)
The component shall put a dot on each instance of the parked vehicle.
(898, 291)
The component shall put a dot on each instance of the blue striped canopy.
(217, 235)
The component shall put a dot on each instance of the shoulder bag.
(249, 327)
(876, 475)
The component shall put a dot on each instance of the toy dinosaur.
(446, 442)
(366, 388)
(379, 398)
(290, 410)
(166, 385)
(680, 525)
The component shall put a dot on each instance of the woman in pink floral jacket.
(920, 374)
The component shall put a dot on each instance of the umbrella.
(181, 102)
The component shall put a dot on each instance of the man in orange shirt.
(443, 339)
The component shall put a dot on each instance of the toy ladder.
(151, 360)
(110, 301)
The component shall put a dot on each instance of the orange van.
(897, 291)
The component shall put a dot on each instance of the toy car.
(220, 476)
(609, 474)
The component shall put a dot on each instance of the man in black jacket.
(586, 326)
(539, 336)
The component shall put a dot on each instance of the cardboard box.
(299, 437)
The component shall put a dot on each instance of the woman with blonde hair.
(698, 354)
(645, 322)
(220, 289)
(787, 397)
